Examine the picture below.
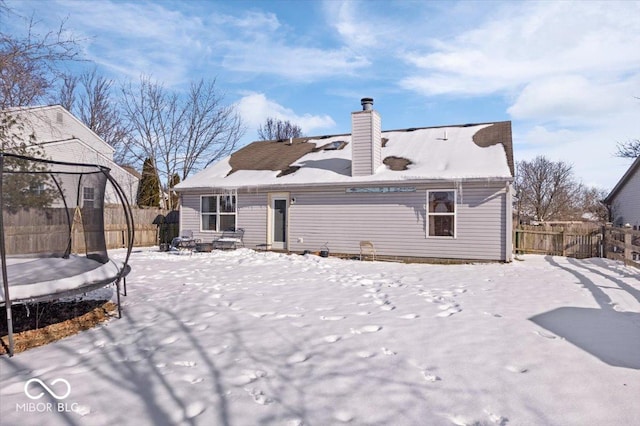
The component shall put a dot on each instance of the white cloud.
(590, 148)
(574, 98)
(351, 21)
(291, 62)
(255, 108)
(530, 41)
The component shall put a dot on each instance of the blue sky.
(567, 74)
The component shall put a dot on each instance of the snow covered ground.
(247, 338)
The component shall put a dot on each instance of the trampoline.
(52, 232)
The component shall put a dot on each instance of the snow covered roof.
(467, 151)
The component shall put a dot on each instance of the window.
(218, 212)
(37, 188)
(441, 214)
(88, 197)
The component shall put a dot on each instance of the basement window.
(441, 213)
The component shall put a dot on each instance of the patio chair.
(231, 238)
(185, 241)
(367, 249)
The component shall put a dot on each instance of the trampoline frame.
(119, 278)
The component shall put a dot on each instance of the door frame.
(273, 196)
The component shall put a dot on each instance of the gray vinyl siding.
(251, 215)
(394, 222)
(626, 204)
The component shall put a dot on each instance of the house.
(62, 137)
(624, 200)
(432, 192)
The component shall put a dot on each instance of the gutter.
(396, 182)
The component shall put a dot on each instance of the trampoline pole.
(3, 255)
(118, 298)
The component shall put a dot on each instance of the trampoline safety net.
(55, 210)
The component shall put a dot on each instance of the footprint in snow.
(516, 369)
(331, 338)
(209, 314)
(259, 397)
(260, 314)
(409, 316)
(366, 329)
(283, 316)
(387, 351)
(497, 419)
(449, 312)
(192, 410)
(343, 416)
(192, 379)
(185, 363)
(493, 315)
(332, 318)
(545, 335)
(169, 340)
(297, 358)
(430, 377)
(248, 376)
(365, 354)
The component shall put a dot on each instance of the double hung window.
(441, 214)
(88, 197)
(218, 212)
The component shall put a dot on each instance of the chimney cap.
(367, 104)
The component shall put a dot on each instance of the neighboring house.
(624, 199)
(437, 192)
(64, 138)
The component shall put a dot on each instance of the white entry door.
(278, 221)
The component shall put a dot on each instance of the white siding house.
(431, 192)
(62, 137)
(624, 199)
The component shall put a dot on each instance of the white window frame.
(218, 213)
(84, 196)
(454, 215)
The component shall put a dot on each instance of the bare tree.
(274, 129)
(29, 65)
(181, 135)
(99, 110)
(592, 204)
(67, 92)
(211, 130)
(547, 190)
(628, 149)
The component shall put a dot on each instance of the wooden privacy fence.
(622, 244)
(578, 242)
(31, 231)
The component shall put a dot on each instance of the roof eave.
(623, 180)
(416, 181)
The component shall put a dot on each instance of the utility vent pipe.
(367, 104)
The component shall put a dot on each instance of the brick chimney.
(366, 140)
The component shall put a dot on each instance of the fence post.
(627, 246)
(564, 245)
